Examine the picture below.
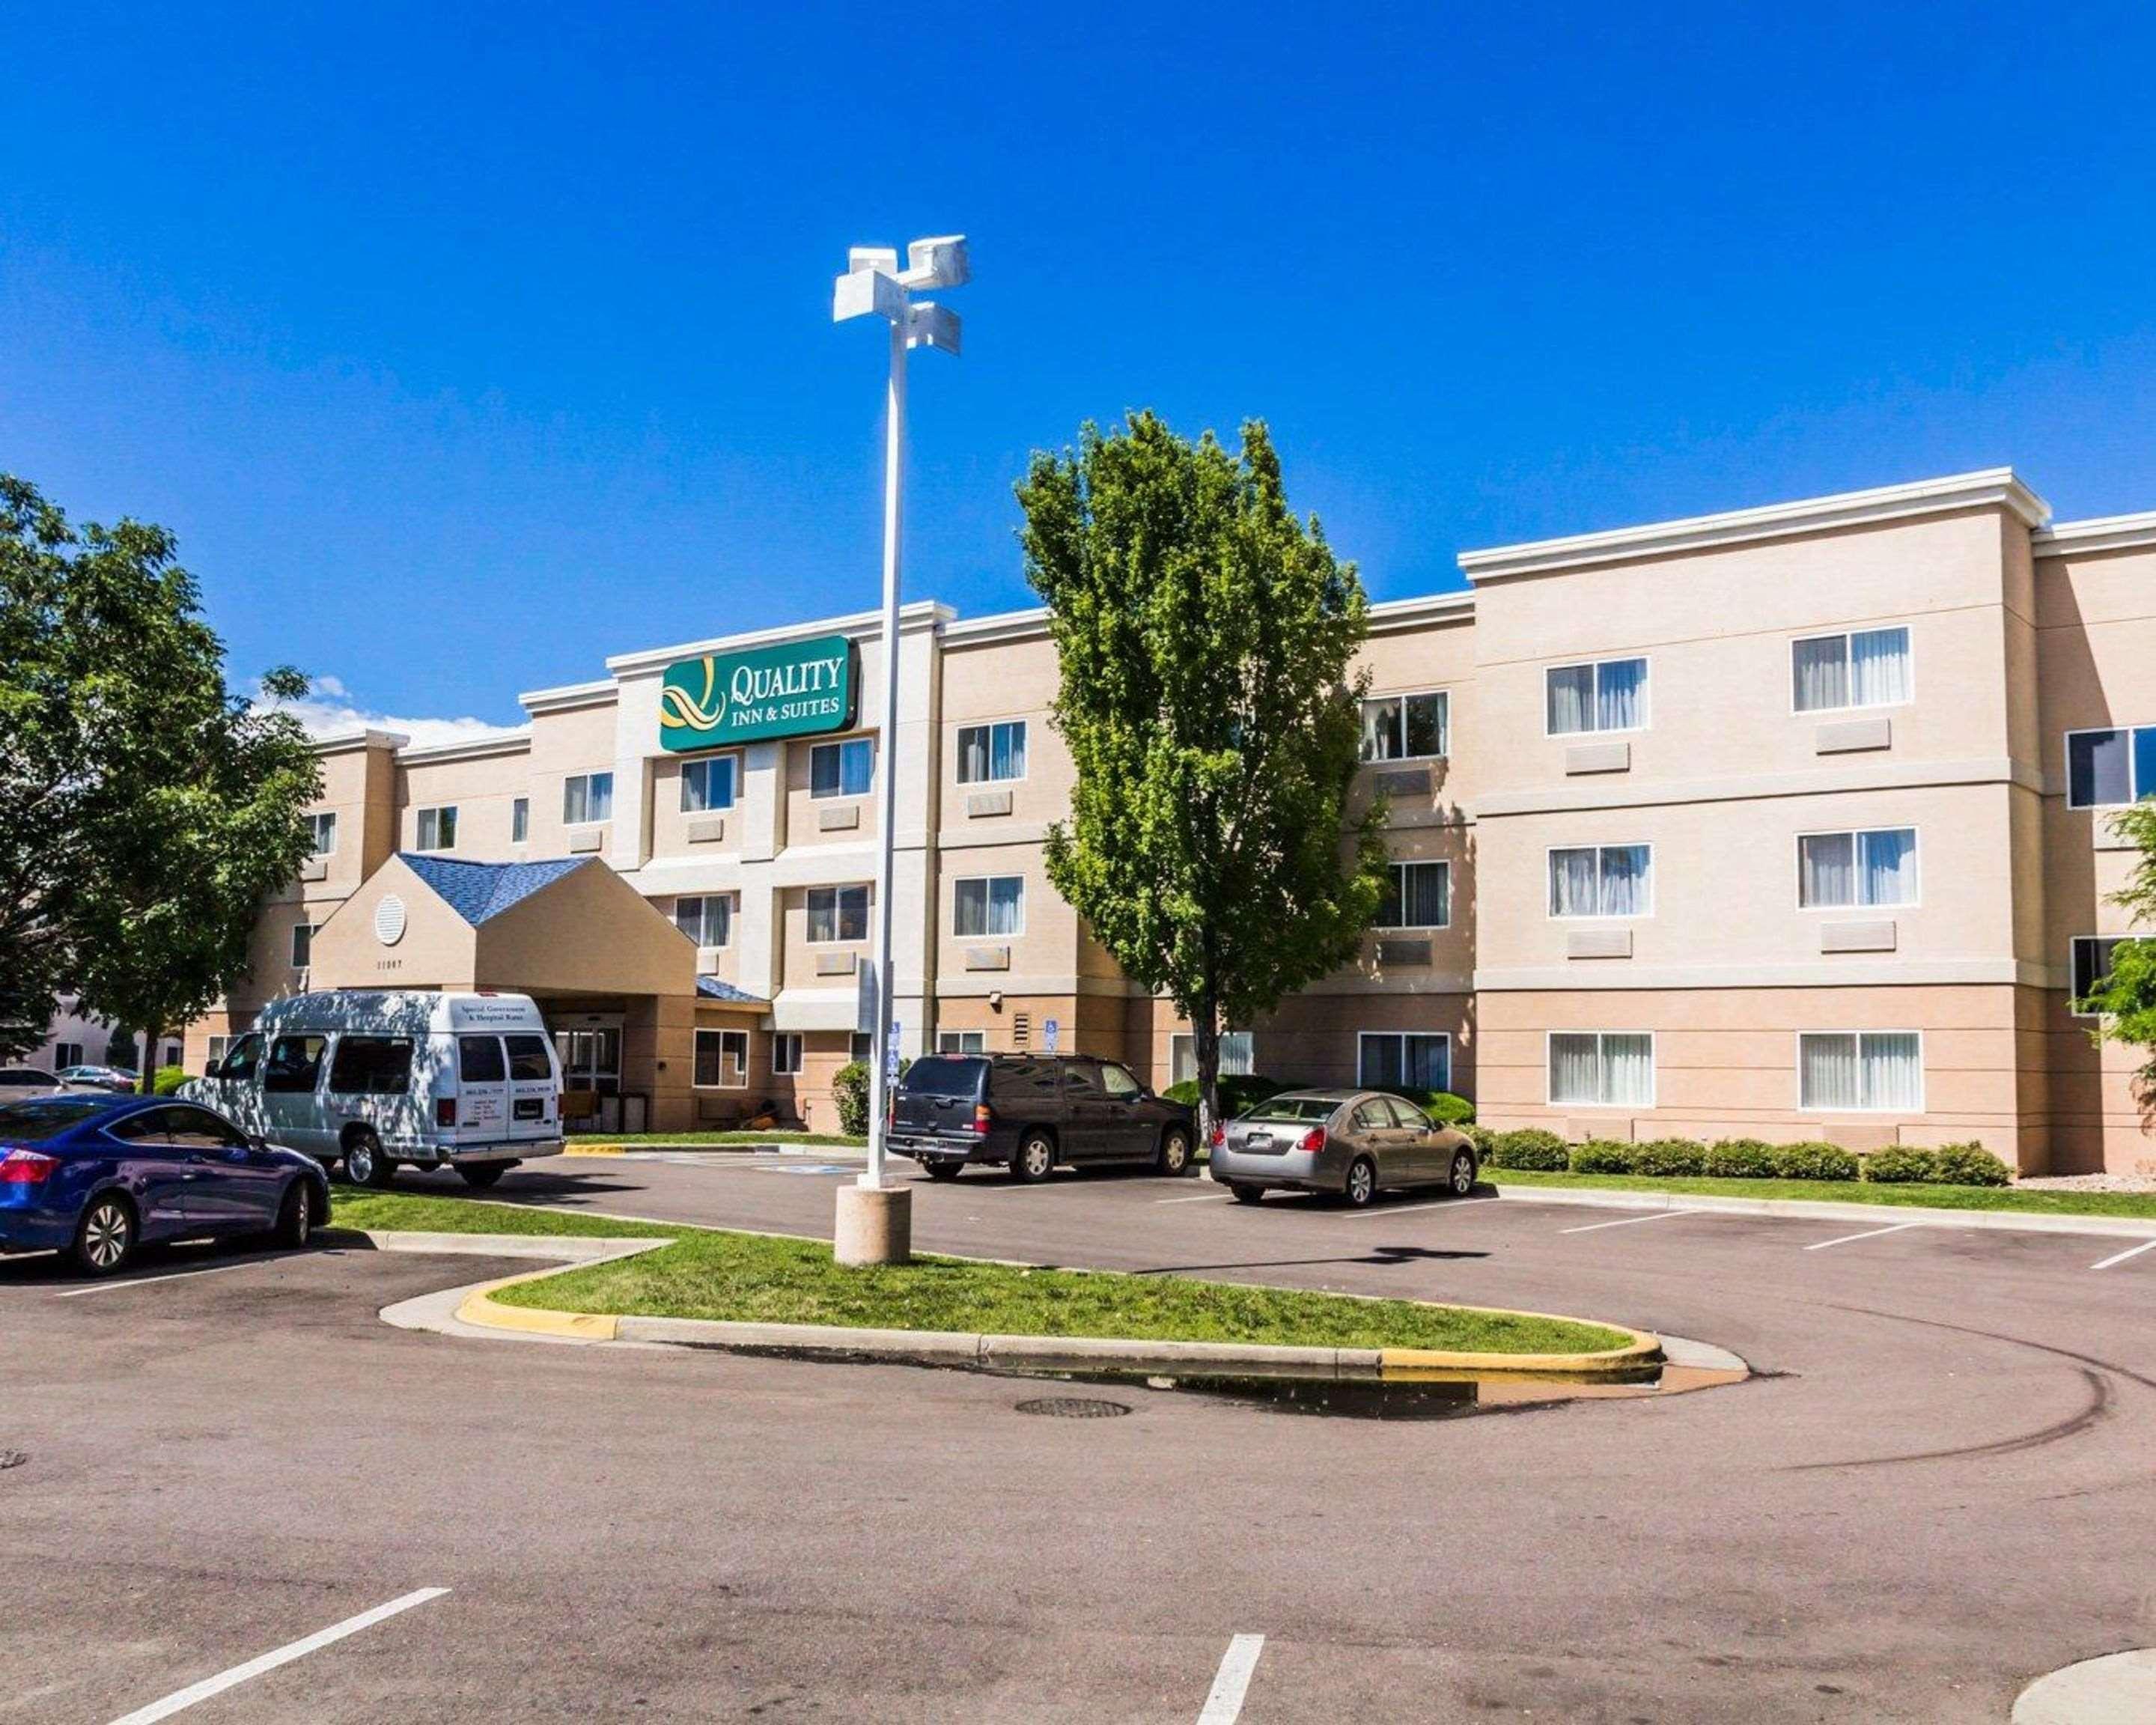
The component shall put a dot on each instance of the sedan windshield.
(1294, 1108)
(33, 1122)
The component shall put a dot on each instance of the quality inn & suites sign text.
(799, 688)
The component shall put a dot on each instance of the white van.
(373, 1078)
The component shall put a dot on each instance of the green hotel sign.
(801, 688)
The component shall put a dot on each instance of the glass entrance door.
(591, 1060)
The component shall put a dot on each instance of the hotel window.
(2109, 769)
(1602, 881)
(438, 829)
(587, 798)
(321, 829)
(786, 1054)
(837, 913)
(988, 753)
(66, 1055)
(219, 1046)
(1389, 1060)
(859, 1045)
(2090, 960)
(1418, 895)
(1406, 728)
(722, 1060)
(993, 906)
(520, 820)
(1847, 871)
(841, 769)
(1860, 1072)
(707, 919)
(1869, 667)
(961, 1042)
(1239, 1056)
(1601, 1069)
(303, 944)
(708, 784)
(1610, 694)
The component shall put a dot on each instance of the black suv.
(1027, 1113)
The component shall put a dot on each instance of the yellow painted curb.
(597, 1150)
(1406, 1364)
(480, 1309)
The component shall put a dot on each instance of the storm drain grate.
(12, 1458)
(1073, 1407)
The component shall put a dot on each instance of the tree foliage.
(2127, 998)
(1206, 638)
(148, 811)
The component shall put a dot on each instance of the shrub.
(1814, 1161)
(1481, 1136)
(1898, 1166)
(1602, 1156)
(1741, 1159)
(1968, 1165)
(1669, 1157)
(168, 1079)
(849, 1089)
(1440, 1104)
(1239, 1093)
(1529, 1146)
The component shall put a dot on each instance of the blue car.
(95, 1176)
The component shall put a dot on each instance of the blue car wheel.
(105, 1237)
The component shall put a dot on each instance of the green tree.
(1207, 639)
(149, 810)
(2127, 998)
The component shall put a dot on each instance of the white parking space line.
(180, 1700)
(1376, 1210)
(1821, 1245)
(1224, 1705)
(1196, 1197)
(137, 1282)
(2130, 1252)
(1630, 1221)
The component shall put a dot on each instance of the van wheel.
(1361, 1184)
(295, 1216)
(364, 1164)
(1035, 1157)
(1174, 1157)
(483, 1174)
(105, 1240)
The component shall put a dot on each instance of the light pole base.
(875, 1224)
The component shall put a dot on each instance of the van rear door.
(482, 1090)
(535, 1089)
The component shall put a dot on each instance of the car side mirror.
(255, 1141)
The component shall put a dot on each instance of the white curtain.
(1822, 670)
(1571, 883)
(1829, 1077)
(1621, 701)
(1571, 699)
(1008, 754)
(1624, 870)
(1826, 868)
(1628, 1071)
(1893, 1071)
(1575, 1069)
(993, 906)
(1380, 729)
(1879, 667)
(1890, 866)
(1237, 1056)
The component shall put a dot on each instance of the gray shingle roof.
(477, 891)
(711, 989)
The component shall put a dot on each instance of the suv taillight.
(445, 1111)
(1313, 1141)
(983, 1118)
(26, 1167)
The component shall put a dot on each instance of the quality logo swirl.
(679, 709)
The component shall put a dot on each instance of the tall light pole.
(875, 1220)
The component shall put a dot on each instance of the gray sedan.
(1352, 1143)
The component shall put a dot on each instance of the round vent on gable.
(389, 919)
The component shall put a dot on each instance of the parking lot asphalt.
(1939, 1487)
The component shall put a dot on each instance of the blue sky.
(464, 345)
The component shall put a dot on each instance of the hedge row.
(1240, 1094)
(1531, 1148)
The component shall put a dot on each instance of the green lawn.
(707, 1273)
(836, 1140)
(1953, 1197)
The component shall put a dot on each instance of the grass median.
(2034, 1203)
(760, 1278)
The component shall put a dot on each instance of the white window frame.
(1654, 1070)
(1846, 636)
(808, 917)
(787, 1049)
(733, 763)
(1399, 699)
(703, 918)
(587, 780)
(1856, 871)
(1646, 663)
(1923, 1089)
(988, 903)
(520, 820)
(2072, 995)
(419, 828)
(2135, 791)
(723, 1034)
(1399, 889)
(843, 744)
(993, 726)
(1180, 1041)
(323, 823)
(311, 928)
(1365, 1036)
(954, 1042)
(1599, 915)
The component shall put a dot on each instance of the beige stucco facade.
(1947, 990)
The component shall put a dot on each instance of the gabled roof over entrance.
(478, 891)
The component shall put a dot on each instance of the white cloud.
(329, 708)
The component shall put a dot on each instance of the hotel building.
(1788, 822)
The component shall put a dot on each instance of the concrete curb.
(821, 1152)
(1827, 1210)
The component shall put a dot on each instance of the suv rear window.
(1293, 1108)
(945, 1075)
